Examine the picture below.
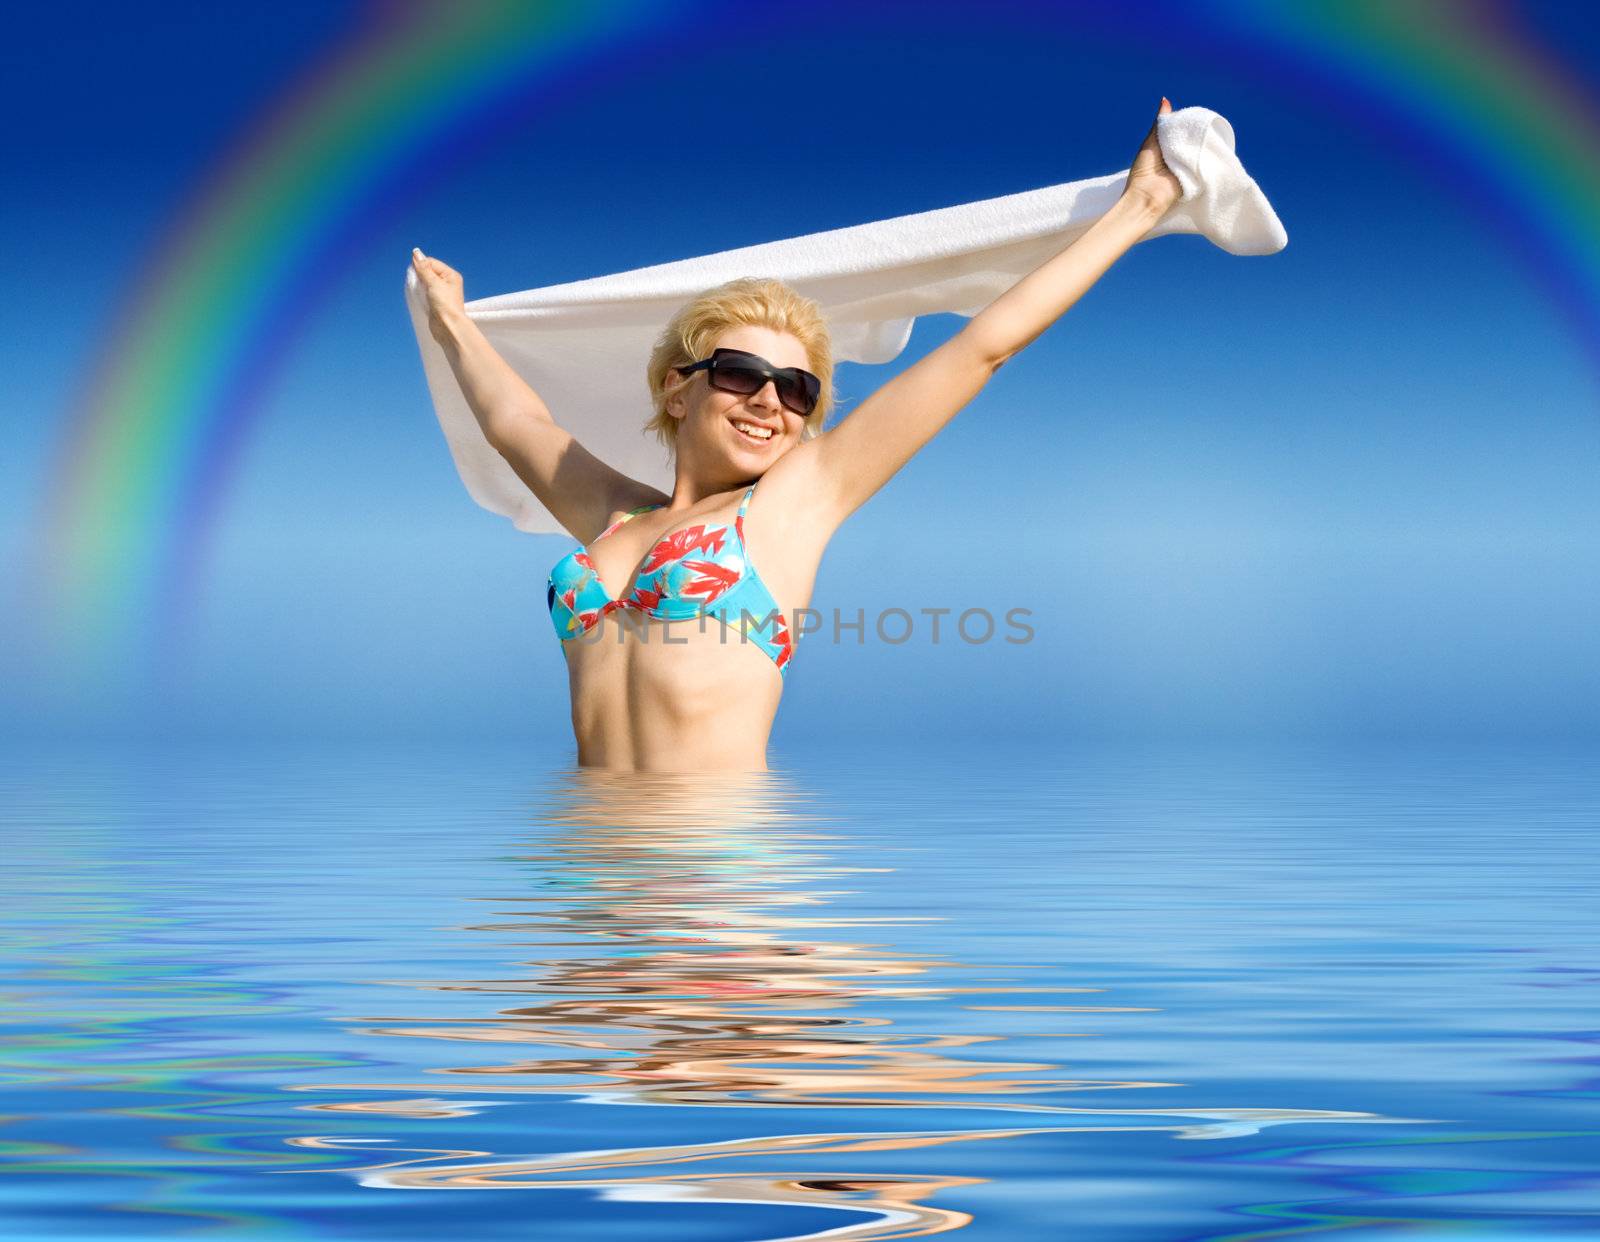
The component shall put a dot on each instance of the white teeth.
(754, 432)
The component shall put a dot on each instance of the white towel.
(583, 346)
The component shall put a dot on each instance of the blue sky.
(1346, 491)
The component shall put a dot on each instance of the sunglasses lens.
(806, 391)
(793, 395)
(731, 377)
(798, 393)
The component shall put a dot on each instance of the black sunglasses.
(733, 370)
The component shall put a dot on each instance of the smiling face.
(732, 436)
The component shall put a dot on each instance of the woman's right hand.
(1149, 179)
(445, 290)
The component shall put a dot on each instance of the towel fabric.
(583, 346)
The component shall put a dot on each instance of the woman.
(676, 645)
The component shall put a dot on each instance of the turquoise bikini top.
(691, 572)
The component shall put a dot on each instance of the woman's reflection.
(694, 970)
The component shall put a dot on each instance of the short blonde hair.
(756, 301)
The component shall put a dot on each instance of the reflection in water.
(691, 972)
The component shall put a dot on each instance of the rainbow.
(1471, 91)
(152, 438)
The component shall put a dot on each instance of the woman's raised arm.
(579, 489)
(851, 461)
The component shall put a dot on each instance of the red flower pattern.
(710, 582)
(714, 579)
(781, 640)
(680, 543)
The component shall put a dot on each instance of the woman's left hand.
(1149, 179)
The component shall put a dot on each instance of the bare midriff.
(657, 696)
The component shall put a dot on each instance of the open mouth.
(753, 431)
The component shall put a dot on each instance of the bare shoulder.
(631, 499)
(791, 500)
(626, 495)
(780, 538)
(583, 493)
(789, 525)
(635, 495)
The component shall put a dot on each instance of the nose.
(772, 402)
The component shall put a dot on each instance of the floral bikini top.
(696, 571)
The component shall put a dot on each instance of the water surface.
(1149, 994)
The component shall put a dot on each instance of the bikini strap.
(738, 518)
(626, 517)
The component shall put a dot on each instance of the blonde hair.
(756, 301)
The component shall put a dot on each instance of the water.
(1099, 995)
